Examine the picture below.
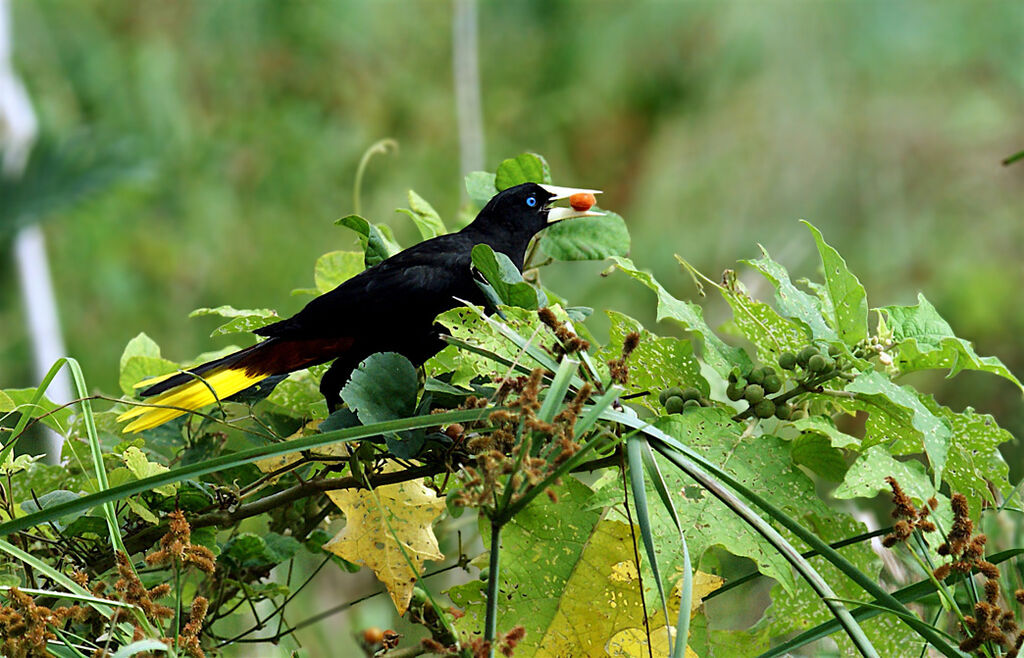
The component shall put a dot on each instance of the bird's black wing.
(405, 291)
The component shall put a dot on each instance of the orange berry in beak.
(582, 201)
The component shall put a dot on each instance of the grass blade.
(557, 390)
(634, 457)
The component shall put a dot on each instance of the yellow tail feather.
(193, 395)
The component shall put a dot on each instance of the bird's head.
(525, 209)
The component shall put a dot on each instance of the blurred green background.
(711, 126)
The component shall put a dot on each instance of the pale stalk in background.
(18, 128)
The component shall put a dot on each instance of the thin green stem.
(493, 573)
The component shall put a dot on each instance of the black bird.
(389, 307)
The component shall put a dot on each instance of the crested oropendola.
(389, 307)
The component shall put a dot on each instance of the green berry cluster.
(816, 363)
(678, 400)
(755, 386)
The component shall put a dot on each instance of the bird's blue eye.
(531, 201)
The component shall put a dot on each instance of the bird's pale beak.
(557, 193)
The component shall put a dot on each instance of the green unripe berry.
(817, 364)
(754, 393)
(756, 376)
(834, 351)
(783, 412)
(805, 355)
(674, 391)
(690, 404)
(787, 360)
(797, 414)
(764, 409)
(674, 405)
(691, 394)
(771, 384)
(735, 391)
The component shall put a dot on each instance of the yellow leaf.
(372, 538)
(633, 641)
(271, 464)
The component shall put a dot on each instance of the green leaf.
(6, 403)
(866, 477)
(924, 340)
(759, 323)
(45, 410)
(849, 302)
(764, 465)
(468, 326)
(586, 238)
(49, 499)
(299, 395)
(505, 278)
(141, 467)
(720, 356)
(383, 387)
(141, 360)
(424, 216)
(480, 187)
(825, 426)
(242, 320)
(248, 550)
(656, 364)
(793, 303)
(524, 168)
(377, 243)
(817, 453)
(975, 466)
(893, 410)
(335, 267)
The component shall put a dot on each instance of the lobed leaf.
(719, 355)
(924, 340)
(793, 303)
(849, 301)
(896, 411)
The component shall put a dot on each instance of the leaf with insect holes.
(771, 333)
(390, 530)
(717, 353)
(586, 238)
(242, 320)
(792, 302)
(896, 411)
(524, 168)
(657, 363)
